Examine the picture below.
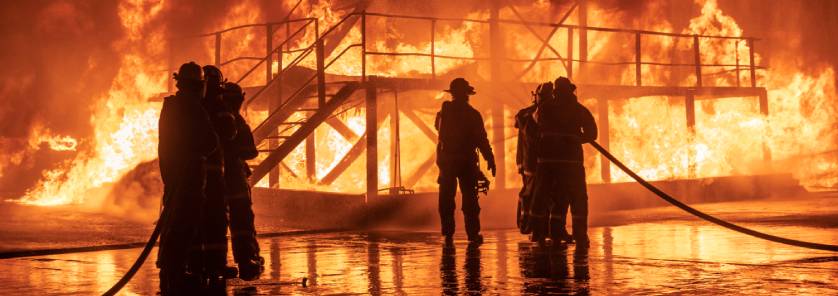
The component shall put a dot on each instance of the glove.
(492, 167)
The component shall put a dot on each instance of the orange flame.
(650, 134)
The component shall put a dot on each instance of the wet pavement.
(650, 251)
(668, 256)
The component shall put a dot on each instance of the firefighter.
(564, 125)
(527, 164)
(186, 139)
(236, 152)
(461, 133)
(213, 251)
(525, 161)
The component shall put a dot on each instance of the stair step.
(277, 137)
(292, 122)
(308, 109)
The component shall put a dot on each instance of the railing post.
(569, 64)
(372, 141)
(218, 49)
(321, 75)
(697, 52)
(638, 81)
(269, 34)
(364, 45)
(753, 63)
(433, 49)
(738, 80)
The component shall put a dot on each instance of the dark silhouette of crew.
(527, 159)
(236, 171)
(213, 258)
(186, 138)
(564, 125)
(461, 134)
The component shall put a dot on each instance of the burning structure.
(339, 91)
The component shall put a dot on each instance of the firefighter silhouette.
(527, 159)
(236, 151)
(185, 140)
(563, 126)
(461, 134)
(211, 256)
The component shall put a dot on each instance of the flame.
(60, 143)
(650, 134)
(125, 121)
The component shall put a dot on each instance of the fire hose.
(663, 195)
(155, 234)
(668, 198)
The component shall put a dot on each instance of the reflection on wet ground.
(664, 257)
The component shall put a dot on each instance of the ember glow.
(649, 133)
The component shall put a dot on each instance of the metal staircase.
(278, 135)
(301, 129)
(299, 87)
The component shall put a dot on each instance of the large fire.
(649, 133)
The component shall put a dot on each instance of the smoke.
(56, 55)
(78, 68)
(72, 68)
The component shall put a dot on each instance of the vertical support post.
(763, 109)
(273, 101)
(433, 49)
(604, 139)
(321, 74)
(697, 52)
(582, 11)
(311, 157)
(394, 145)
(637, 79)
(569, 65)
(364, 46)
(372, 141)
(498, 126)
(218, 50)
(753, 63)
(689, 106)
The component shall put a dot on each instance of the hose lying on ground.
(707, 217)
(141, 259)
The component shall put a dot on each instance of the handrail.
(250, 25)
(561, 25)
(293, 63)
(299, 58)
(307, 50)
(301, 88)
(637, 62)
(274, 50)
(296, 61)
